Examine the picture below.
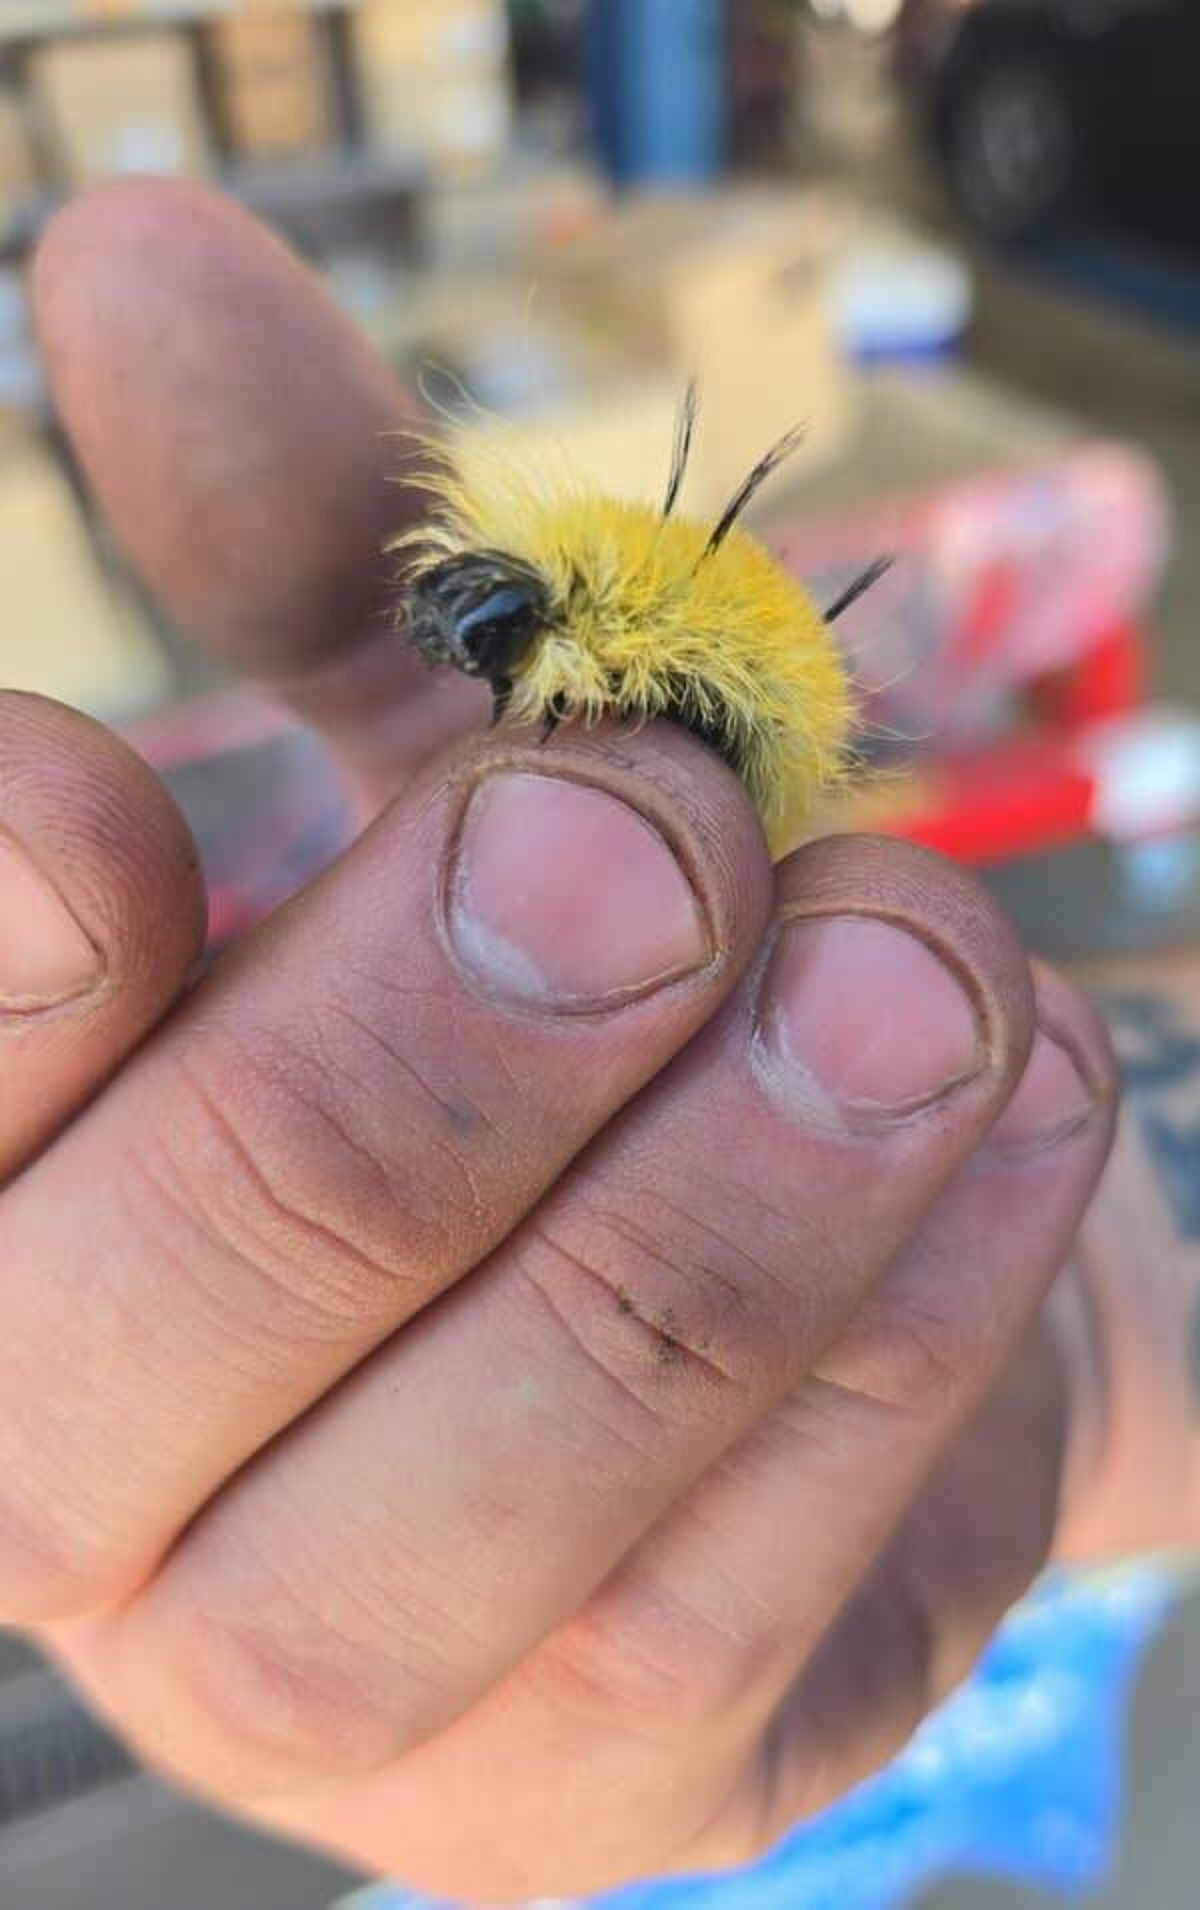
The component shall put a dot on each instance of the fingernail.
(1052, 1102)
(45, 957)
(860, 1023)
(563, 895)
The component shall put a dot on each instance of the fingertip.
(1070, 1015)
(102, 913)
(228, 413)
(1071, 1086)
(119, 221)
(880, 879)
(109, 837)
(675, 784)
(95, 253)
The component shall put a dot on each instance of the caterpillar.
(573, 605)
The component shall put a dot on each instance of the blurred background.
(959, 239)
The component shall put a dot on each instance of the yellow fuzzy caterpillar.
(574, 605)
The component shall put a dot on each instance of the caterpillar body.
(573, 605)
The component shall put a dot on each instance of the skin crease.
(524, 1433)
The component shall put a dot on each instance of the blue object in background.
(897, 301)
(1019, 1775)
(656, 72)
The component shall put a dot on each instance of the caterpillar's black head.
(480, 611)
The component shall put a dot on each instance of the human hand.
(516, 1378)
(1126, 1311)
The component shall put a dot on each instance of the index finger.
(240, 435)
(350, 1113)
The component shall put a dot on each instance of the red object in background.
(1009, 631)
(1035, 791)
(1001, 584)
(994, 804)
(1109, 679)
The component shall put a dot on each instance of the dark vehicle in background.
(1046, 109)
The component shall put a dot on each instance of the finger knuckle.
(56, 1562)
(906, 1357)
(684, 1324)
(662, 1672)
(268, 1152)
(265, 1711)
